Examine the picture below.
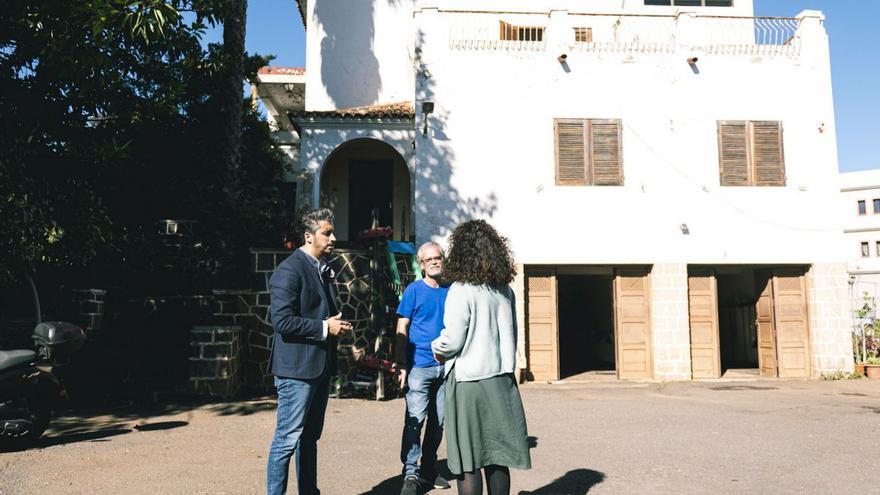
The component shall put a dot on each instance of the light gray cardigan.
(479, 334)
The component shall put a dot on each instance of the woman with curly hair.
(485, 421)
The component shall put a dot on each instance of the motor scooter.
(29, 391)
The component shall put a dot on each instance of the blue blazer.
(299, 304)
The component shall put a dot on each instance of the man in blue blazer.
(307, 323)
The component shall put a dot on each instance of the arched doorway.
(362, 175)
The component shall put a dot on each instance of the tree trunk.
(230, 100)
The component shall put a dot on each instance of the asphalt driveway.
(717, 437)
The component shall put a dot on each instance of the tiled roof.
(398, 110)
(294, 71)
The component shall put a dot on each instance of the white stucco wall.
(489, 149)
(492, 136)
(358, 53)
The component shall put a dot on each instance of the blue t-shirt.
(423, 305)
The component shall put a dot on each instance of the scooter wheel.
(40, 415)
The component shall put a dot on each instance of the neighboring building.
(666, 174)
(283, 89)
(860, 210)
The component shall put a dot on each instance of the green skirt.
(485, 424)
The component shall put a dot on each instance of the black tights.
(497, 477)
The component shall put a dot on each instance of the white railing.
(479, 31)
(624, 33)
(749, 36)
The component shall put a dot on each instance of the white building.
(666, 174)
(860, 211)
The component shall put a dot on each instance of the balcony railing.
(626, 33)
(481, 31)
(751, 36)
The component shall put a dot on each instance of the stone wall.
(214, 360)
(830, 325)
(669, 322)
(249, 309)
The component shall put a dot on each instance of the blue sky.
(274, 27)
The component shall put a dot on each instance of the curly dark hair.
(478, 256)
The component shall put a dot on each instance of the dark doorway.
(370, 186)
(586, 324)
(738, 294)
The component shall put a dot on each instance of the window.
(583, 35)
(878, 248)
(692, 3)
(862, 209)
(750, 153)
(588, 152)
(865, 250)
(876, 205)
(509, 32)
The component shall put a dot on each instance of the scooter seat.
(11, 359)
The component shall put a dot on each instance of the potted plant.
(872, 367)
(866, 341)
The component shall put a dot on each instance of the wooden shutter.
(767, 153)
(703, 317)
(632, 324)
(766, 331)
(542, 332)
(505, 31)
(733, 151)
(792, 329)
(605, 153)
(570, 156)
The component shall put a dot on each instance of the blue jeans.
(299, 422)
(424, 401)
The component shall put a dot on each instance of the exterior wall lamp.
(427, 108)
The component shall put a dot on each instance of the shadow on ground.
(575, 482)
(392, 486)
(100, 424)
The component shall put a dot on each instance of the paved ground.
(722, 437)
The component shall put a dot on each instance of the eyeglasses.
(435, 258)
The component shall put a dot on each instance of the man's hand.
(440, 359)
(338, 327)
(401, 377)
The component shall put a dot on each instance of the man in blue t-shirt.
(420, 321)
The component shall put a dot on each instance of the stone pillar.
(89, 304)
(830, 322)
(214, 360)
(669, 322)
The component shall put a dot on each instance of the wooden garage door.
(543, 325)
(632, 327)
(703, 317)
(792, 329)
(766, 331)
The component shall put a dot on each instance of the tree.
(116, 123)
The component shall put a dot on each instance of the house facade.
(859, 208)
(666, 172)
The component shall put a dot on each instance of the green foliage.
(109, 126)
(840, 375)
(872, 360)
